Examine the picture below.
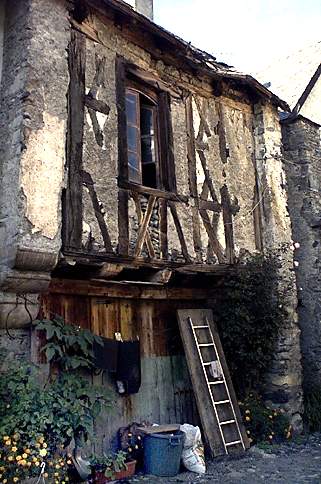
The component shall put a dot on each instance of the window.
(142, 139)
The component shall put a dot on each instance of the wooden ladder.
(213, 389)
(215, 358)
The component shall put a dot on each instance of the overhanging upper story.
(127, 146)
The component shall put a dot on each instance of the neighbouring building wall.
(311, 109)
(302, 155)
(283, 385)
(2, 15)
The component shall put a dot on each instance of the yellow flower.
(8, 442)
(10, 458)
(69, 462)
(6, 437)
(37, 445)
(248, 432)
(15, 479)
(37, 463)
(14, 449)
(271, 416)
(27, 451)
(16, 436)
(56, 474)
(29, 464)
(18, 457)
(23, 462)
(44, 445)
(43, 452)
(247, 412)
(57, 466)
(246, 418)
(34, 459)
(5, 481)
(1, 468)
(41, 440)
(46, 475)
(24, 455)
(0, 476)
(270, 437)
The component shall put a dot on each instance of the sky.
(248, 34)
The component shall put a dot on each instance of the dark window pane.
(133, 160)
(131, 107)
(132, 137)
(147, 120)
(148, 149)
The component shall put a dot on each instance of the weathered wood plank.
(89, 183)
(204, 122)
(73, 210)
(144, 226)
(149, 243)
(179, 230)
(209, 423)
(122, 120)
(216, 246)
(208, 176)
(197, 239)
(228, 224)
(123, 223)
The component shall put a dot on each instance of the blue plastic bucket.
(162, 453)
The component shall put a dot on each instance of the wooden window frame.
(165, 165)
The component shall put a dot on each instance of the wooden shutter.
(166, 143)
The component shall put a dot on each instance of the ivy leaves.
(69, 346)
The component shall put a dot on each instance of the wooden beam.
(208, 176)
(123, 223)
(129, 290)
(144, 226)
(191, 153)
(89, 183)
(221, 134)
(97, 105)
(73, 210)
(216, 246)
(228, 225)
(149, 243)
(134, 187)
(179, 231)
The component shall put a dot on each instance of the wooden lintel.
(129, 290)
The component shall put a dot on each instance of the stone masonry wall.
(302, 156)
(283, 381)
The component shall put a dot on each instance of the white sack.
(193, 451)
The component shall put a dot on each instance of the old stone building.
(135, 171)
(297, 79)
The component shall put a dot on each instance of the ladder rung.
(220, 382)
(202, 345)
(221, 402)
(228, 444)
(227, 422)
(200, 327)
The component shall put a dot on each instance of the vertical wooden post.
(73, 210)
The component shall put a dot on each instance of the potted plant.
(112, 467)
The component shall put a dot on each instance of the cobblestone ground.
(292, 463)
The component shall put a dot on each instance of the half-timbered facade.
(135, 171)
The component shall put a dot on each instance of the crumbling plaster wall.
(302, 155)
(32, 129)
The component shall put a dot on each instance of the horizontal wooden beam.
(128, 289)
(96, 105)
(126, 185)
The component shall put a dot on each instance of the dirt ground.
(297, 462)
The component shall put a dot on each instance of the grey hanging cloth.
(128, 374)
(106, 355)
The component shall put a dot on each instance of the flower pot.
(123, 474)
